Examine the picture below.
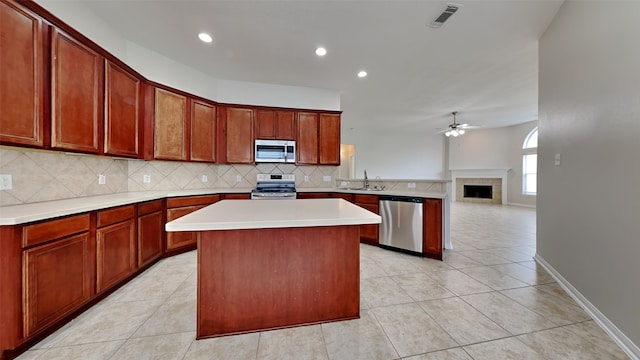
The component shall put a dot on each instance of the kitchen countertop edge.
(32, 212)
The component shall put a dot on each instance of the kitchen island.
(273, 264)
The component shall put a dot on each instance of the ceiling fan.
(456, 129)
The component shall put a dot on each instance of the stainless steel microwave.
(275, 151)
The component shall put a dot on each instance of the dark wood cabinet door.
(77, 85)
(307, 139)
(313, 195)
(122, 112)
(236, 196)
(170, 126)
(150, 237)
(179, 239)
(329, 139)
(203, 131)
(272, 124)
(57, 280)
(116, 253)
(432, 228)
(21, 87)
(285, 125)
(239, 136)
(369, 233)
(265, 124)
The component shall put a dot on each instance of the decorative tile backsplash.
(39, 175)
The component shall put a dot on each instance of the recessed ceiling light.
(321, 51)
(205, 37)
(362, 74)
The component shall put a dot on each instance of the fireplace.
(478, 191)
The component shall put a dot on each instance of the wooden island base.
(260, 279)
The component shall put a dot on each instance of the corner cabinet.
(170, 126)
(21, 82)
(122, 109)
(77, 77)
(369, 233)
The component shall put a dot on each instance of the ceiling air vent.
(450, 10)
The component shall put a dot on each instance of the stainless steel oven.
(275, 151)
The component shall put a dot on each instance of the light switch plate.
(146, 179)
(6, 182)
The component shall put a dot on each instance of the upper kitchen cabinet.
(203, 131)
(329, 139)
(122, 112)
(272, 124)
(237, 135)
(307, 139)
(170, 126)
(76, 95)
(318, 140)
(21, 84)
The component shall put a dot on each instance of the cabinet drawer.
(192, 200)
(149, 207)
(54, 229)
(115, 215)
(366, 199)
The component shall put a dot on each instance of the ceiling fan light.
(461, 131)
(454, 133)
(448, 133)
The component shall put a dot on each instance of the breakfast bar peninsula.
(276, 263)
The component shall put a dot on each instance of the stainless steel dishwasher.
(401, 226)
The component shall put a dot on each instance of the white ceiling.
(482, 63)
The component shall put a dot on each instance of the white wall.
(396, 155)
(495, 148)
(589, 112)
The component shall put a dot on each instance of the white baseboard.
(618, 336)
(522, 205)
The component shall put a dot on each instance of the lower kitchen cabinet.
(150, 231)
(58, 273)
(369, 233)
(181, 206)
(313, 195)
(115, 246)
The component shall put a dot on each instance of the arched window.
(530, 163)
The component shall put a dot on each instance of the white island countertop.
(243, 214)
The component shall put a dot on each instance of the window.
(530, 163)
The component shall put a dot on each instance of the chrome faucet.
(366, 180)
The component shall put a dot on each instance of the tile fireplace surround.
(497, 178)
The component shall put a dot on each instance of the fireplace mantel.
(480, 174)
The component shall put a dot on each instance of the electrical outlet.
(205, 178)
(146, 179)
(5, 182)
(326, 178)
(306, 178)
(344, 183)
(102, 179)
(238, 178)
(411, 185)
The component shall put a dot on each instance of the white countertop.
(234, 215)
(25, 213)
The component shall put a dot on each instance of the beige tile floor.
(487, 300)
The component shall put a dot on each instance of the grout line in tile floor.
(488, 299)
